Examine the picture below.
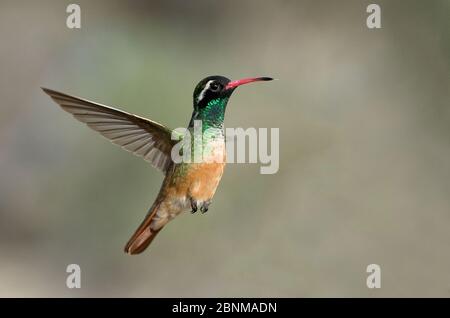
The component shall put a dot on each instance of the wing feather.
(145, 138)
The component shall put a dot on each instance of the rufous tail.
(144, 235)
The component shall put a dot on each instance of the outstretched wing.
(145, 138)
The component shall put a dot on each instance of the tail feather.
(144, 235)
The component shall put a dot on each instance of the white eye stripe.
(202, 93)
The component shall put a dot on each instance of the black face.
(210, 88)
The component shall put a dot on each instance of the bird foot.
(205, 206)
(193, 206)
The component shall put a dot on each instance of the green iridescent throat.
(212, 115)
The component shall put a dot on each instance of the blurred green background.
(364, 153)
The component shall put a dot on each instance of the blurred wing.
(145, 138)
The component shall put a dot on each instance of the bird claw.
(205, 206)
(193, 206)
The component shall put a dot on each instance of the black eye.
(214, 87)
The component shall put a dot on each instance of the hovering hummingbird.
(187, 185)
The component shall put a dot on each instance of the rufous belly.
(199, 183)
(189, 182)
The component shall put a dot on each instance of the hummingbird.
(187, 185)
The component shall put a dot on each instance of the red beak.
(234, 84)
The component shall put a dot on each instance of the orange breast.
(198, 180)
(203, 179)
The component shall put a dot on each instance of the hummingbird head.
(211, 97)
